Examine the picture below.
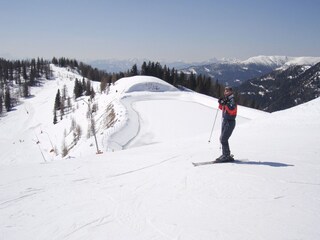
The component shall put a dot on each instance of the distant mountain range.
(115, 66)
(270, 83)
(234, 73)
(283, 88)
(231, 72)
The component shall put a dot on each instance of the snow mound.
(142, 84)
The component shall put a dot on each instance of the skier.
(229, 112)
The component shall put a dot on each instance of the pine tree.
(57, 103)
(192, 82)
(32, 76)
(54, 61)
(134, 70)
(25, 91)
(48, 71)
(11, 71)
(144, 70)
(62, 110)
(92, 93)
(24, 72)
(55, 120)
(1, 104)
(7, 100)
(38, 69)
(77, 89)
(88, 88)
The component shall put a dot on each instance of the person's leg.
(227, 129)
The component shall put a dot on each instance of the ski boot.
(224, 158)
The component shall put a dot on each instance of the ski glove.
(222, 101)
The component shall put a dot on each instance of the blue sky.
(172, 30)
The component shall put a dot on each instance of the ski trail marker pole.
(214, 122)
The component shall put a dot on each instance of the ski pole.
(214, 122)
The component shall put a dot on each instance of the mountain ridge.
(237, 72)
(283, 88)
(115, 65)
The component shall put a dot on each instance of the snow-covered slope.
(150, 190)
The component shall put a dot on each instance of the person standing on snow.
(228, 106)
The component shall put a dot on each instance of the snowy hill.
(148, 189)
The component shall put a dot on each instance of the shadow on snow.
(270, 164)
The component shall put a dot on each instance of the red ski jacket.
(229, 108)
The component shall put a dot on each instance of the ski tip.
(196, 164)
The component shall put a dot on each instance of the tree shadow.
(270, 164)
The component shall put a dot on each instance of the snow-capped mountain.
(149, 189)
(283, 61)
(284, 87)
(272, 61)
(234, 73)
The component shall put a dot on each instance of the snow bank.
(142, 83)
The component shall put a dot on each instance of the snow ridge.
(142, 83)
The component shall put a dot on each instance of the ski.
(212, 162)
(203, 163)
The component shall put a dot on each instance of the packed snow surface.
(143, 185)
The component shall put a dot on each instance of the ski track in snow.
(142, 168)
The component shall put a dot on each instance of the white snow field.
(143, 185)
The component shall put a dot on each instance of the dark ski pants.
(226, 131)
